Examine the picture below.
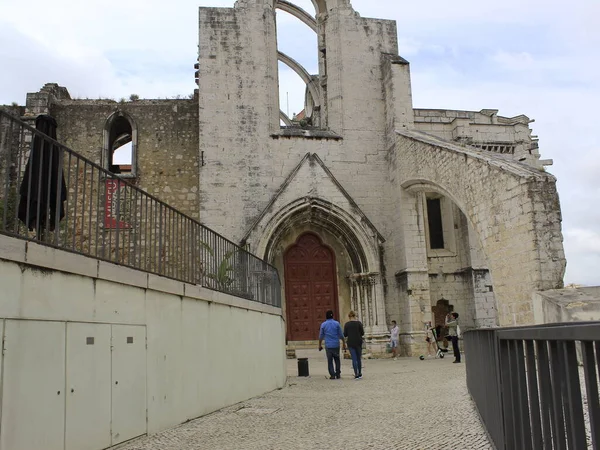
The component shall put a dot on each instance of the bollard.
(302, 367)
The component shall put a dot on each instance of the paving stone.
(404, 404)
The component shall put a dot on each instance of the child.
(430, 339)
(395, 333)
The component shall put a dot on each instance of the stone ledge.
(20, 251)
(306, 133)
(167, 285)
(12, 249)
(123, 275)
(230, 300)
(201, 293)
(60, 260)
(198, 292)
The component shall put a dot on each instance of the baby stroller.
(440, 350)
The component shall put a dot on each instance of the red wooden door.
(310, 287)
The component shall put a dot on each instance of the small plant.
(134, 97)
(9, 207)
(222, 277)
(14, 104)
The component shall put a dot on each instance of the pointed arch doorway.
(310, 286)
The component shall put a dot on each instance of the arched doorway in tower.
(310, 286)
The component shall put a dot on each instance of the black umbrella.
(43, 189)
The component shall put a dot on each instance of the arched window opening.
(436, 229)
(297, 41)
(440, 224)
(293, 100)
(119, 146)
(306, 5)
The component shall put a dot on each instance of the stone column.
(368, 302)
(413, 282)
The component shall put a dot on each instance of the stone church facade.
(369, 204)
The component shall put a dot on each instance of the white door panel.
(88, 386)
(128, 382)
(33, 400)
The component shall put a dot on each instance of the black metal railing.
(54, 196)
(537, 387)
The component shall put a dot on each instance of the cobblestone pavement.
(404, 404)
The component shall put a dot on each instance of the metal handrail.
(108, 218)
(528, 386)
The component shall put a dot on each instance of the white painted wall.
(205, 350)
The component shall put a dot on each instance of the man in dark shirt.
(354, 332)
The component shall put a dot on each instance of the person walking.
(354, 332)
(331, 332)
(394, 335)
(452, 324)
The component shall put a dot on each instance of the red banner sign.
(114, 205)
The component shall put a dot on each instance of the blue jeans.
(333, 354)
(356, 353)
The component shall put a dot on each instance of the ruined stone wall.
(238, 100)
(167, 143)
(457, 288)
(485, 130)
(513, 209)
(247, 157)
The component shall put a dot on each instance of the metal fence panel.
(542, 398)
(78, 206)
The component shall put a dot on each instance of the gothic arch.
(116, 128)
(510, 207)
(359, 277)
(361, 247)
(302, 73)
(285, 119)
(298, 13)
(424, 185)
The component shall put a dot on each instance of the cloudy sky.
(535, 57)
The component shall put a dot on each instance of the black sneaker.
(338, 377)
(332, 378)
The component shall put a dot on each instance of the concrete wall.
(567, 305)
(205, 350)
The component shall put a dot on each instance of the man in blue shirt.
(331, 331)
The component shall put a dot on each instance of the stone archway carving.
(362, 246)
(360, 241)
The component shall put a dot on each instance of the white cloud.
(513, 61)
